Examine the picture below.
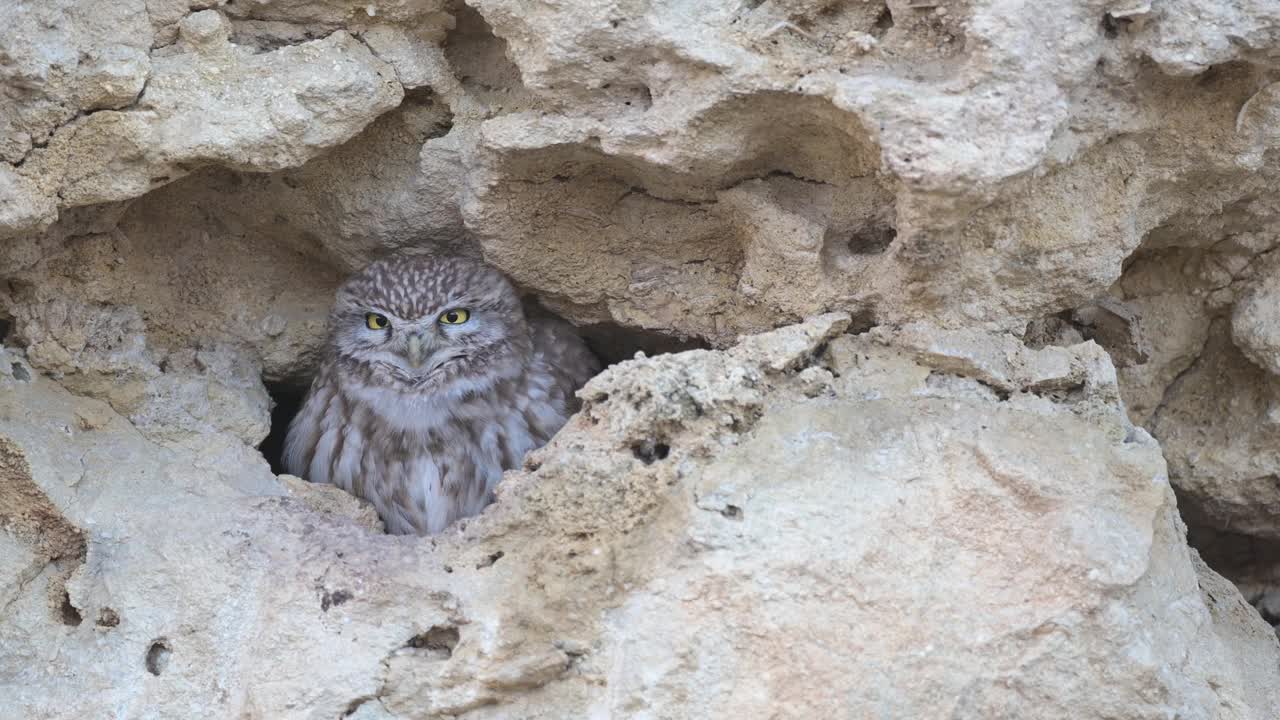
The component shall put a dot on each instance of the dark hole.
(108, 618)
(862, 322)
(646, 97)
(426, 97)
(846, 248)
(334, 599)
(1111, 26)
(440, 640)
(20, 372)
(612, 343)
(158, 656)
(68, 613)
(872, 240)
(1245, 560)
(5, 326)
(1271, 618)
(884, 21)
(649, 453)
(287, 400)
(733, 512)
(489, 561)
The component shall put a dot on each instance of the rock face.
(1033, 247)
(665, 556)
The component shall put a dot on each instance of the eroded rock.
(706, 523)
(203, 101)
(183, 183)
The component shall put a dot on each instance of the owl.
(434, 381)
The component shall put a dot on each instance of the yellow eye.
(376, 322)
(456, 316)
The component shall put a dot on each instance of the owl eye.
(374, 321)
(457, 316)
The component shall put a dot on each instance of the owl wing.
(564, 358)
(308, 425)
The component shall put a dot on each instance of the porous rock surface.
(1055, 225)
(808, 524)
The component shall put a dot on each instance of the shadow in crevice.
(613, 343)
(1251, 563)
(286, 401)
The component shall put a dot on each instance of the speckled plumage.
(427, 444)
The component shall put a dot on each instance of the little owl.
(433, 383)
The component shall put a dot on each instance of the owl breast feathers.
(433, 382)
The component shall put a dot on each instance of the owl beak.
(417, 353)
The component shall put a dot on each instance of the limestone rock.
(835, 127)
(207, 101)
(60, 58)
(1220, 423)
(1192, 336)
(703, 526)
(206, 390)
(1255, 324)
(1034, 242)
(1187, 37)
(330, 500)
(22, 205)
(344, 13)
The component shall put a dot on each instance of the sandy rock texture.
(701, 174)
(1038, 241)
(812, 523)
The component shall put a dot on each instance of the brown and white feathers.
(433, 383)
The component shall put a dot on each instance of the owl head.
(414, 322)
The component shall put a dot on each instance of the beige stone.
(1033, 243)
(330, 500)
(897, 546)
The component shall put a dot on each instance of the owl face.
(420, 322)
